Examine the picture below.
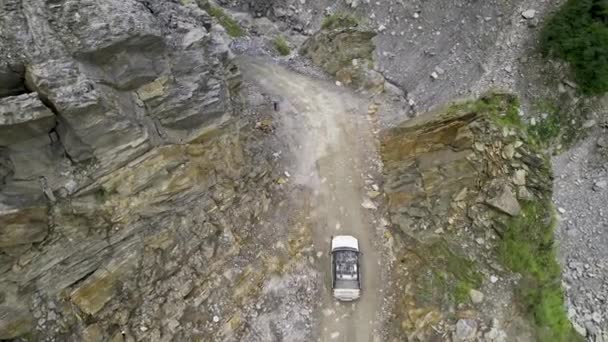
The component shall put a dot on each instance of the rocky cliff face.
(470, 196)
(119, 78)
(122, 159)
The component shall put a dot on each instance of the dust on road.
(335, 153)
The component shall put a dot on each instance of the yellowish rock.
(92, 333)
(100, 287)
(152, 89)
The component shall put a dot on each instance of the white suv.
(345, 272)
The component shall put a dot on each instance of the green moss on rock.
(340, 20)
(445, 275)
(232, 27)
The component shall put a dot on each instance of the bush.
(578, 34)
(232, 27)
(339, 20)
(280, 44)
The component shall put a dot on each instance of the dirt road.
(335, 154)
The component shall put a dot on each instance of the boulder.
(476, 296)
(519, 177)
(600, 185)
(465, 330)
(508, 151)
(505, 201)
(528, 14)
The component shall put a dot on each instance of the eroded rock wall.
(120, 77)
(126, 171)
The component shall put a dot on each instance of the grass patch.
(527, 248)
(461, 292)
(431, 287)
(548, 129)
(503, 108)
(562, 124)
(232, 27)
(578, 34)
(450, 273)
(280, 44)
(340, 20)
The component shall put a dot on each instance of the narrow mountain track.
(336, 150)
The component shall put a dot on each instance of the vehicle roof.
(344, 241)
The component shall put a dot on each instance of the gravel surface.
(581, 197)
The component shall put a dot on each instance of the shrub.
(232, 27)
(280, 44)
(578, 34)
(339, 20)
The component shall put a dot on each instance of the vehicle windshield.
(346, 272)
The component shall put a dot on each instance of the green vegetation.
(431, 287)
(526, 244)
(557, 123)
(339, 20)
(451, 273)
(461, 292)
(527, 248)
(502, 107)
(548, 128)
(280, 44)
(231, 26)
(504, 110)
(578, 34)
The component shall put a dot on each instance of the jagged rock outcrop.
(437, 163)
(120, 78)
(346, 53)
(470, 196)
(125, 172)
